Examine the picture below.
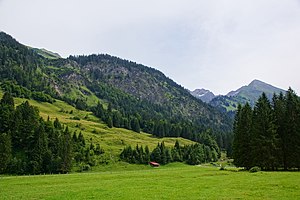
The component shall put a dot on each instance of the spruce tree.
(243, 137)
(5, 151)
(279, 107)
(109, 122)
(292, 129)
(66, 151)
(265, 139)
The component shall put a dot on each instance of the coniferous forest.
(191, 154)
(268, 136)
(31, 145)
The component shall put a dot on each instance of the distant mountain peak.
(203, 94)
(257, 83)
(249, 93)
(255, 88)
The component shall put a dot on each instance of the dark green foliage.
(289, 131)
(243, 138)
(191, 154)
(255, 169)
(80, 104)
(109, 122)
(30, 145)
(66, 147)
(5, 151)
(265, 137)
(268, 136)
(135, 125)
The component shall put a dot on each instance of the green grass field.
(174, 181)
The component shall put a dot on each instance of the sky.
(219, 45)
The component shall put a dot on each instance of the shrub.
(84, 167)
(76, 118)
(222, 167)
(254, 169)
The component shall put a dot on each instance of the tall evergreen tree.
(265, 138)
(279, 107)
(66, 151)
(292, 129)
(5, 151)
(37, 155)
(243, 137)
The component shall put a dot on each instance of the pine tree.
(243, 137)
(279, 107)
(265, 139)
(7, 110)
(5, 151)
(147, 155)
(292, 129)
(66, 151)
(109, 122)
(156, 154)
(81, 139)
(39, 150)
(7, 99)
(135, 125)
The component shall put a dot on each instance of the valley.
(86, 127)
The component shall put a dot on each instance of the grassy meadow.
(112, 140)
(173, 181)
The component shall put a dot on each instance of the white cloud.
(217, 44)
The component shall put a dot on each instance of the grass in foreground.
(174, 181)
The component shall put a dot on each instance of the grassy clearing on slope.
(112, 140)
(174, 181)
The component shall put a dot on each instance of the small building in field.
(154, 164)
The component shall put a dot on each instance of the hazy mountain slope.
(249, 93)
(254, 90)
(203, 94)
(144, 83)
(132, 89)
(46, 53)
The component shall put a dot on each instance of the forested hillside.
(121, 93)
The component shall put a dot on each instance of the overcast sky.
(219, 45)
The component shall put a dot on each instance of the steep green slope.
(150, 86)
(112, 140)
(135, 96)
(46, 53)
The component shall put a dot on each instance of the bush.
(75, 118)
(84, 167)
(254, 169)
(222, 167)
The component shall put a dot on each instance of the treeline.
(22, 92)
(30, 145)
(268, 136)
(25, 74)
(163, 128)
(191, 154)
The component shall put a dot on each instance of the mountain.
(254, 90)
(203, 94)
(249, 93)
(121, 93)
